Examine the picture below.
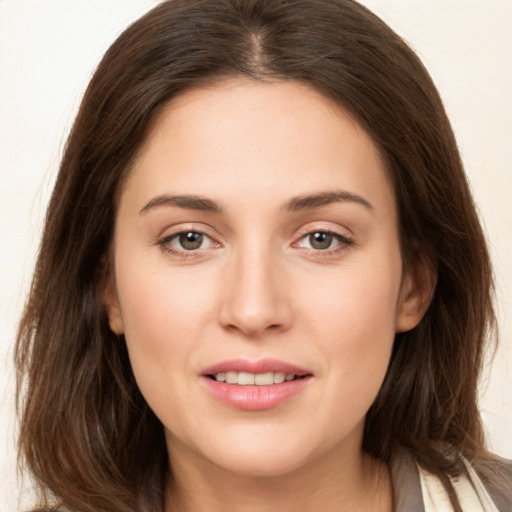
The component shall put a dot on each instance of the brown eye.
(190, 241)
(320, 240)
(186, 244)
(324, 242)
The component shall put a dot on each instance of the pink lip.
(255, 398)
(261, 366)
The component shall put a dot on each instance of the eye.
(320, 240)
(186, 242)
(190, 241)
(324, 241)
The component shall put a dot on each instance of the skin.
(259, 287)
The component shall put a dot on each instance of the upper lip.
(256, 367)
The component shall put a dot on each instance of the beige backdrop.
(48, 49)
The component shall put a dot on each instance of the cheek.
(163, 316)
(159, 298)
(354, 303)
(351, 316)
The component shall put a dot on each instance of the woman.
(262, 280)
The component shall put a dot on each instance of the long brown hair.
(87, 435)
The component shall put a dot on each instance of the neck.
(328, 484)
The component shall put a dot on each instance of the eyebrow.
(299, 203)
(189, 202)
(312, 201)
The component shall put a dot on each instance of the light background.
(48, 50)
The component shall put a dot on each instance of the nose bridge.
(255, 299)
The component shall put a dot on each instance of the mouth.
(264, 372)
(254, 379)
(255, 386)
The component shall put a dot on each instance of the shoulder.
(49, 509)
(496, 475)
(406, 483)
(412, 485)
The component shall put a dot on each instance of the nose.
(255, 298)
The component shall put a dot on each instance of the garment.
(416, 490)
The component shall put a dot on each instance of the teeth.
(259, 379)
(232, 377)
(263, 379)
(279, 377)
(245, 379)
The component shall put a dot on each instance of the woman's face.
(256, 242)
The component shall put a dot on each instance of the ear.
(107, 295)
(416, 292)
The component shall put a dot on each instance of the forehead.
(251, 138)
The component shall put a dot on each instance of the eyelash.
(184, 254)
(343, 241)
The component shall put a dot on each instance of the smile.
(255, 385)
(253, 379)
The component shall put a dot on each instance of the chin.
(262, 466)
(261, 456)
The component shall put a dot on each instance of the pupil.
(191, 241)
(320, 240)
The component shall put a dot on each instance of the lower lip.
(255, 398)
